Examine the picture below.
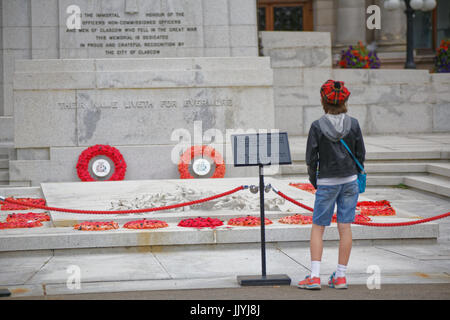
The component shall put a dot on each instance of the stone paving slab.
(178, 267)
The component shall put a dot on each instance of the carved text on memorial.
(116, 34)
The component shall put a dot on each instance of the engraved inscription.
(147, 104)
(114, 34)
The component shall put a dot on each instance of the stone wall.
(135, 105)
(196, 28)
(384, 101)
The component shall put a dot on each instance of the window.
(285, 15)
(423, 30)
(430, 28)
(443, 21)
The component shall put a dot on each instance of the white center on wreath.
(201, 167)
(101, 168)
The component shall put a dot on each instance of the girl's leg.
(345, 242)
(316, 244)
(346, 205)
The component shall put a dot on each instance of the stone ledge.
(280, 39)
(142, 64)
(143, 80)
(67, 238)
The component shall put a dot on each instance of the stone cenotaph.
(141, 76)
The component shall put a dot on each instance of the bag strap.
(354, 158)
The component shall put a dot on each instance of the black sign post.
(5, 292)
(260, 150)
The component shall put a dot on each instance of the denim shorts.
(344, 195)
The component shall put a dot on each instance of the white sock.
(315, 269)
(340, 271)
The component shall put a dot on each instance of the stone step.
(371, 167)
(4, 163)
(390, 155)
(431, 183)
(442, 169)
(380, 180)
(14, 191)
(6, 129)
(67, 238)
(6, 149)
(4, 175)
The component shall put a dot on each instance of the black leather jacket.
(323, 143)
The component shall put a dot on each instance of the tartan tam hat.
(334, 92)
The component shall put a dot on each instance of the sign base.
(4, 293)
(268, 280)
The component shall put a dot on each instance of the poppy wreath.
(120, 166)
(296, 219)
(248, 221)
(30, 216)
(20, 223)
(358, 218)
(6, 206)
(308, 187)
(200, 223)
(375, 208)
(96, 225)
(204, 151)
(145, 224)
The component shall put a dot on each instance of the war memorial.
(126, 105)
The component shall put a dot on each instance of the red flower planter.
(120, 166)
(205, 152)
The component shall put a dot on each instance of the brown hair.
(334, 109)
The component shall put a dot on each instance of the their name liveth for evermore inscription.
(146, 104)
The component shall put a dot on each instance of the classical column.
(351, 22)
(391, 38)
(324, 17)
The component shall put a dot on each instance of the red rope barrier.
(281, 194)
(178, 205)
(370, 224)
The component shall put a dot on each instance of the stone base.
(98, 195)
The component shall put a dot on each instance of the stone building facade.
(63, 90)
(345, 20)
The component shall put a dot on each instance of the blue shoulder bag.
(362, 175)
